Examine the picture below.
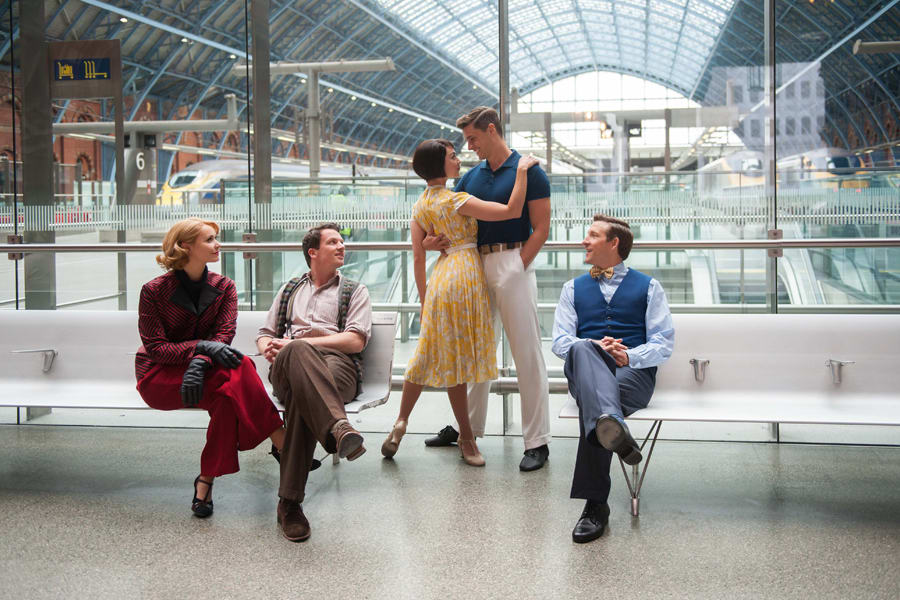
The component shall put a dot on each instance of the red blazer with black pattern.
(170, 325)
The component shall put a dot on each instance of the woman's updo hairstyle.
(428, 159)
(174, 255)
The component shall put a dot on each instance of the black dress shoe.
(535, 458)
(593, 522)
(445, 437)
(615, 437)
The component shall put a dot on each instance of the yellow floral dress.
(456, 341)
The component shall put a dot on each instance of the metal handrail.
(675, 307)
(553, 245)
(419, 181)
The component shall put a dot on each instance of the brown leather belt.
(500, 247)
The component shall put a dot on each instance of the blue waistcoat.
(623, 317)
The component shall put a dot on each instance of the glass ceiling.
(668, 41)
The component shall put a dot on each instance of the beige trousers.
(513, 291)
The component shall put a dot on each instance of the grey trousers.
(599, 387)
(313, 384)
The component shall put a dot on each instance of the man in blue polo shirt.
(613, 328)
(508, 249)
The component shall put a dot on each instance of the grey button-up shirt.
(315, 311)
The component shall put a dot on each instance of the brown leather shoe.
(349, 442)
(293, 523)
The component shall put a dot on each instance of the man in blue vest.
(613, 328)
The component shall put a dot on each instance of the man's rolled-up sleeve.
(359, 313)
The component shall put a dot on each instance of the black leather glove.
(192, 382)
(221, 353)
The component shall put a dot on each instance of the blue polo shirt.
(496, 186)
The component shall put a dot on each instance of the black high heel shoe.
(202, 508)
(316, 463)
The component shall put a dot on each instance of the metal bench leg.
(637, 474)
(335, 459)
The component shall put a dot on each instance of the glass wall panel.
(172, 78)
(10, 173)
(837, 154)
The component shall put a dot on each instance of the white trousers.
(513, 291)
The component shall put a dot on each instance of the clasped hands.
(615, 348)
(273, 347)
(192, 382)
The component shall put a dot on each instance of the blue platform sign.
(81, 69)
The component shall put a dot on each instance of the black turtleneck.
(193, 288)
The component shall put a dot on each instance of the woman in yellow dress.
(456, 341)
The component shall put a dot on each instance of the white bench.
(85, 359)
(773, 369)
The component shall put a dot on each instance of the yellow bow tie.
(596, 272)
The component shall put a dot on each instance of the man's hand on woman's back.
(435, 242)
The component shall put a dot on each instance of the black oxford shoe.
(615, 437)
(445, 437)
(592, 523)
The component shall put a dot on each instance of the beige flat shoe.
(469, 451)
(392, 443)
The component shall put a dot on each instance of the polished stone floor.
(94, 512)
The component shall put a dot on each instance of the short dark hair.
(313, 238)
(481, 117)
(428, 159)
(618, 229)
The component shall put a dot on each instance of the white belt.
(459, 247)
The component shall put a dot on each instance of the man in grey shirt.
(313, 335)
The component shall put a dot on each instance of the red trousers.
(241, 415)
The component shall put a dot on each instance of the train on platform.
(820, 168)
(738, 170)
(201, 182)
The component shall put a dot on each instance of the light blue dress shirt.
(660, 331)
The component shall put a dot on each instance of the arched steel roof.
(668, 41)
(181, 54)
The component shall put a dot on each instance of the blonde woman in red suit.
(187, 319)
